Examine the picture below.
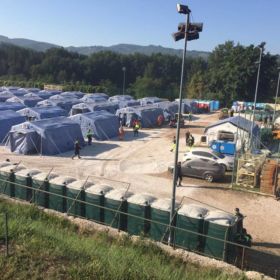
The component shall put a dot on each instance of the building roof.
(237, 121)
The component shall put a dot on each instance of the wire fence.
(220, 248)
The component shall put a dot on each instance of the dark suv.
(202, 168)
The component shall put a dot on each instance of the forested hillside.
(228, 74)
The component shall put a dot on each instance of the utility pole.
(123, 69)
(261, 47)
(188, 31)
(276, 96)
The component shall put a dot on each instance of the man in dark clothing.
(187, 137)
(239, 222)
(77, 149)
(179, 174)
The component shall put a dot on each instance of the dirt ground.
(143, 162)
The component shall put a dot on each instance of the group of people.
(188, 138)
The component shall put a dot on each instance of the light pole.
(123, 69)
(276, 96)
(188, 31)
(261, 47)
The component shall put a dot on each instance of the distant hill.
(87, 50)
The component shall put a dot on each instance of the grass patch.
(44, 246)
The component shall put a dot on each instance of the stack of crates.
(220, 225)
(94, 198)
(40, 185)
(160, 216)
(115, 202)
(7, 179)
(269, 177)
(57, 195)
(76, 191)
(189, 225)
(139, 206)
(23, 183)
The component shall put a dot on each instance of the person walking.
(121, 133)
(190, 116)
(187, 135)
(191, 141)
(173, 144)
(136, 128)
(239, 222)
(89, 136)
(77, 149)
(179, 174)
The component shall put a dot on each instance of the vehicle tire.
(208, 177)
(224, 166)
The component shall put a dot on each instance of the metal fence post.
(242, 260)
(6, 235)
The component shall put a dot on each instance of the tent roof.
(237, 121)
(9, 114)
(11, 106)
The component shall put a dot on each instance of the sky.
(142, 22)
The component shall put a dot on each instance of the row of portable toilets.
(137, 214)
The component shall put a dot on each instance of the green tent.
(139, 205)
(40, 185)
(220, 225)
(160, 216)
(7, 179)
(116, 200)
(94, 198)
(23, 183)
(76, 191)
(188, 224)
(57, 195)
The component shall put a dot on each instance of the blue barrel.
(215, 146)
(227, 148)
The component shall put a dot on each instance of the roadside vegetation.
(43, 246)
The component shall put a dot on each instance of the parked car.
(226, 161)
(201, 168)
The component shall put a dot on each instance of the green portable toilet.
(76, 191)
(220, 225)
(40, 185)
(57, 192)
(160, 216)
(7, 178)
(94, 198)
(189, 223)
(23, 183)
(2, 181)
(116, 200)
(139, 205)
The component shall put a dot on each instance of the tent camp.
(39, 113)
(169, 108)
(17, 91)
(72, 94)
(46, 103)
(118, 98)
(11, 106)
(148, 115)
(32, 89)
(46, 137)
(5, 95)
(151, 100)
(44, 94)
(93, 97)
(64, 103)
(128, 103)
(103, 124)
(79, 109)
(110, 107)
(8, 119)
(29, 101)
